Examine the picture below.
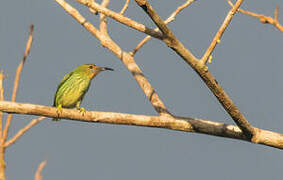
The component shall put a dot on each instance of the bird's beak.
(106, 69)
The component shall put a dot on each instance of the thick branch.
(178, 123)
(168, 20)
(169, 38)
(202, 70)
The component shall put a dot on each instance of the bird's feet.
(58, 111)
(82, 110)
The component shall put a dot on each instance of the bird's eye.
(90, 67)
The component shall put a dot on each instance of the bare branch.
(264, 137)
(172, 42)
(17, 79)
(168, 20)
(220, 32)
(120, 18)
(103, 19)
(23, 131)
(178, 10)
(125, 7)
(262, 18)
(38, 175)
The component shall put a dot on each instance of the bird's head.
(91, 70)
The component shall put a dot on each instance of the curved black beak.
(107, 69)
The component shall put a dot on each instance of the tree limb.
(202, 70)
(264, 137)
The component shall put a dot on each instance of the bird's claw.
(58, 111)
(82, 110)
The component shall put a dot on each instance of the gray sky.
(247, 63)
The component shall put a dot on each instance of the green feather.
(60, 84)
(74, 85)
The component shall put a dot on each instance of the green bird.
(74, 85)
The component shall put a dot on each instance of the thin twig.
(220, 32)
(125, 7)
(17, 79)
(22, 131)
(187, 124)
(37, 175)
(262, 18)
(168, 20)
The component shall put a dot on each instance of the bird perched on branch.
(74, 85)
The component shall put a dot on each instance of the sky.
(247, 63)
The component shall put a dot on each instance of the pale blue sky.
(247, 63)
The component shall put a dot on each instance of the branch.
(118, 17)
(262, 18)
(220, 32)
(125, 7)
(2, 76)
(38, 175)
(17, 79)
(168, 20)
(264, 137)
(202, 70)
(126, 58)
(23, 131)
(103, 19)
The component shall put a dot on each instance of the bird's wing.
(65, 78)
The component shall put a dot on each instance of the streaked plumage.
(74, 85)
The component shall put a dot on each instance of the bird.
(73, 87)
